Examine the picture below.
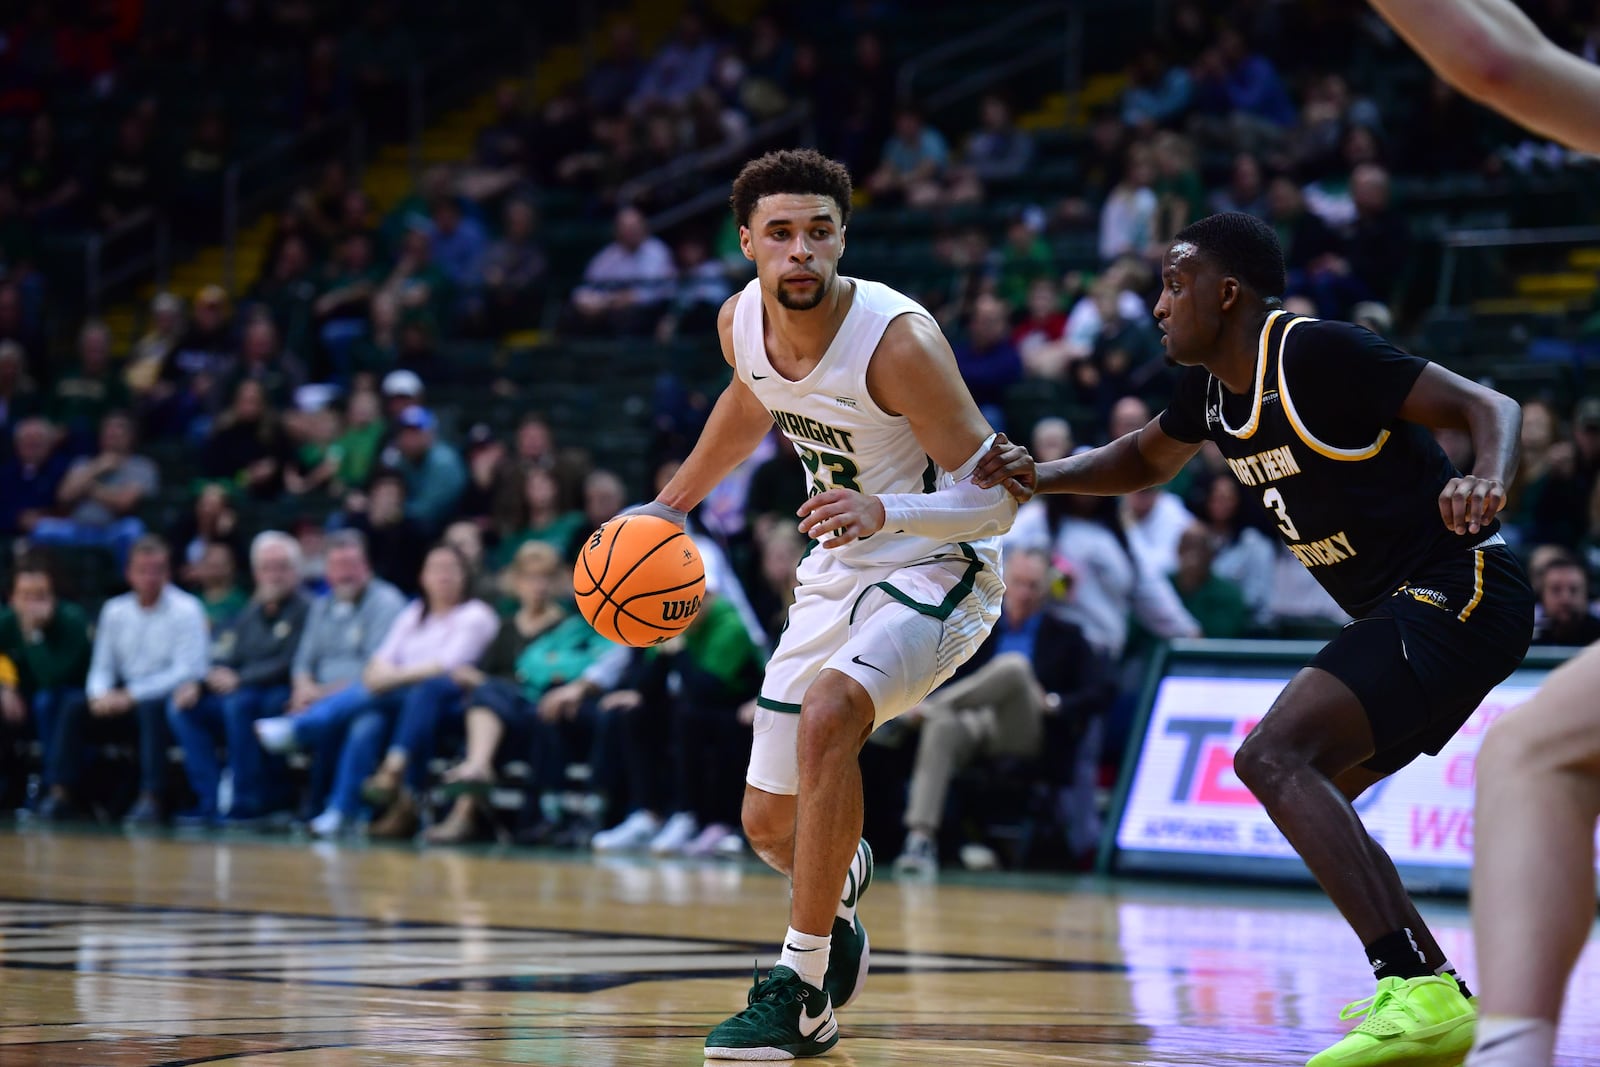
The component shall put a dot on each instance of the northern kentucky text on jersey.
(812, 430)
(1263, 467)
(1275, 464)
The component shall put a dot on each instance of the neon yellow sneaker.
(1418, 1022)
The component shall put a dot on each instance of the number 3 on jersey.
(1274, 500)
(841, 471)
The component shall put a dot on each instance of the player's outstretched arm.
(1132, 462)
(1492, 52)
(914, 373)
(1443, 400)
(735, 427)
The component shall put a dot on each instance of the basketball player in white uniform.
(902, 586)
(1533, 880)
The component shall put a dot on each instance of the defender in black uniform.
(1328, 424)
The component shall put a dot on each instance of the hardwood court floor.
(141, 951)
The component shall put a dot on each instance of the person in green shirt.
(358, 446)
(84, 394)
(542, 519)
(1216, 603)
(44, 659)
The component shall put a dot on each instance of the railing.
(1455, 242)
(135, 246)
(1058, 28)
(273, 170)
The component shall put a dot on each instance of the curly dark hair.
(1242, 246)
(801, 170)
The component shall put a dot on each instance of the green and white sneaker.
(786, 1020)
(850, 953)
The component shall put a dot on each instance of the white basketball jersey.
(844, 439)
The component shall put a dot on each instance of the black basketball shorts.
(1423, 660)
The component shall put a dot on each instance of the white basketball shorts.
(898, 631)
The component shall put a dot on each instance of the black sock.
(1460, 981)
(1396, 955)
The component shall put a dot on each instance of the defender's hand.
(1469, 503)
(842, 514)
(1010, 465)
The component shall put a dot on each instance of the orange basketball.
(639, 580)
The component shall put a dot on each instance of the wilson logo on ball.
(674, 610)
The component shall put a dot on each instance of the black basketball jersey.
(1352, 488)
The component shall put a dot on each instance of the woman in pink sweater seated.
(441, 630)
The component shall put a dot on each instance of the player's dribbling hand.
(1010, 465)
(839, 516)
(1469, 503)
(660, 511)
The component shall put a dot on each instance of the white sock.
(806, 955)
(850, 892)
(1507, 1041)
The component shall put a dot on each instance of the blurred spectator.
(1024, 258)
(128, 184)
(345, 626)
(488, 467)
(190, 386)
(459, 244)
(628, 283)
(1180, 194)
(358, 446)
(1305, 238)
(1052, 440)
(989, 361)
(1154, 521)
(913, 163)
(31, 479)
(682, 698)
(999, 150)
(214, 578)
(261, 360)
(1041, 335)
(147, 644)
(1158, 93)
(702, 288)
(683, 65)
(212, 520)
(1125, 350)
(604, 497)
(467, 538)
(1241, 553)
(86, 392)
(248, 679)
(780, 549)
(1128, 415)
(18, 400)
(1025, 695)
(20, 329)
(514, 271)
(342, 305)
(287, 294)
(151, 350)
(435, 476)
(46, 185)
(541, 517)
(431, 637)
(247, 445)
(1215, 602)
(1378, 244)
(1128, 217)
(198, 192)
(613, 80)
(1540, 431)
(396, 543)
(417, 282)
(377, 349)
(1245, 191)
(101, 493)
(44, 658)
(314, 466)
(1566, 617)
(1242, 88)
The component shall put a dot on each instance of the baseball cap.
(481, 434)
(417, 418)
(402, 383)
